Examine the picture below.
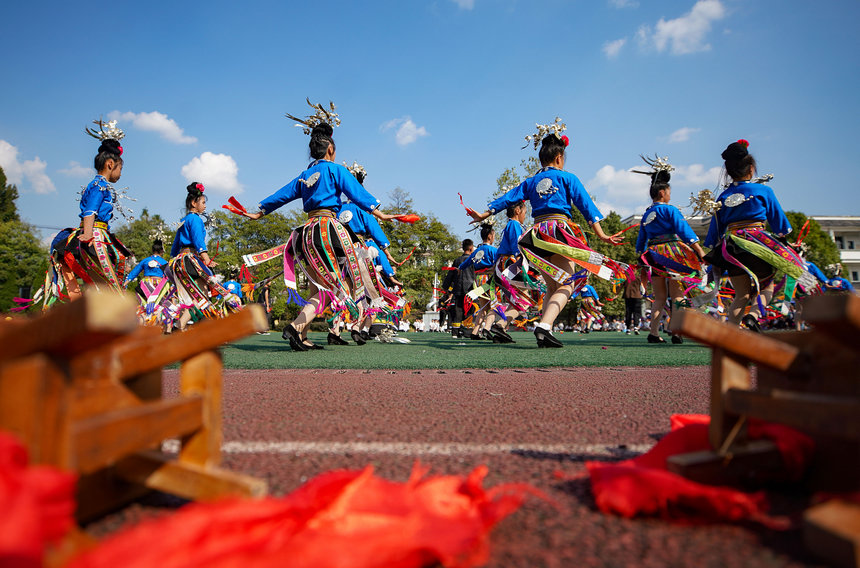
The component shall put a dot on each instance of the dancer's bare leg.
(659, 285)
(743, 286)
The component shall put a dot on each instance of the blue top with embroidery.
(319, 187)
(588, 291)
(380, 259)
(550, 191)
(745, 201)
(365, 224)
(151, 267)
(191, 233)
(510, 237)
(663, 219)
(841, 284)
(234, 288)
(97, 199)
(484, 256)
(815, 271)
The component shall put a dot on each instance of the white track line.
(418, 448)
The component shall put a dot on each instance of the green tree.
(23, 259)
(820, 248)
(138, 235)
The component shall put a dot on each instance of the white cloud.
(686, 34)
(682, 134)
(695, 175)
(33, 171)
(621, 191)
(465, 4)
(407, 131)
(155, 122)
(76, 170)
(217, 172)
(613, 48)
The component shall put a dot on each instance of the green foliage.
(138, 235)
(821, 248)
(23, 260)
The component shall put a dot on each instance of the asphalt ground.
(525, 424)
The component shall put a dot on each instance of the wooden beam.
(753, 463)
(200, 483)
(86, 323)
(102, 439)
(822, 414)
(755, 347)
(837, 315)
(728, 371)
(201, 376)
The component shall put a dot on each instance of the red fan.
(410, 218)
(234, 206)
(469, 210)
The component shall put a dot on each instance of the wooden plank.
(755, 347)
(728, 371)
(831, 531)
(102, 492)
(92, 320)
(103, 363)
(191, 481)
(201, 376)
(832, 369)
(102, 439)
(753, 463)
(837, 315)
(33, 407)
(134, 358)
(823, 414)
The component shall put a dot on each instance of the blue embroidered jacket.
(550, 191)
(151, 267)
(97, 199)
(510, 237)
(745, 201)
(663, 219)
(320, 187)
(191, 233)
(484, 256)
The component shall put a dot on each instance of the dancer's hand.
(615, 239)
(477, 217)
(253, 216)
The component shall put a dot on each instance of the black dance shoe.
(655, 339)
(310, 345)
(546, 339)
(751, 323)
(336, 339)
(500, 335)
(677, 339)
(291, 335)
(485, 333)
(356, 336)
(364, 335)
(476, 336)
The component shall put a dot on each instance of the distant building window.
(840, 244)
(854, 276)
(850, 245)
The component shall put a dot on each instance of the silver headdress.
(106, 131)
(543, 130)
(760, 179)
(158, 232)
(704, 203)
(657, 164)
(356, 169)
(320, 116)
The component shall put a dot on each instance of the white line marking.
(418, 448)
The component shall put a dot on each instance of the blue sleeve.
(512, 196)
(777, 220)
(681, 227)
(174, 248)
(815, 271)
(642, 239)
(594, 293)
(136, 270)
(582, 201)
(376, 232)
(468, 262)
(383, 262)
(352, 189)
(714, 232)
(91, 199)
(197, 233)
(289, 192)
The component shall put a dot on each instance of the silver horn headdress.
(322, 115)
(557, 127)
(106, 131)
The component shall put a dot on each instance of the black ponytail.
(320, 140)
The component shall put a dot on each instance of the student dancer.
(153, 290)
(555, 245)
(457, 284)
(482, 260)
(92, 253)
(741, 246)
(589, 308)
(668, 247)
(190, 269)
(322, 247)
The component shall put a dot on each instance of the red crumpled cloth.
(37, 505)
(643, 485)
(344, 519)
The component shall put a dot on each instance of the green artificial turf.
(441, 351)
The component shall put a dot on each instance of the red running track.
(287, 426)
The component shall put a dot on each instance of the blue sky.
(435, 97)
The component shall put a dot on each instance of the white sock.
(544, 326)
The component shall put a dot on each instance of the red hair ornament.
(744, 143)
(566, 140)
(200, 187)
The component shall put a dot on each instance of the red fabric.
(343, 519)
(643, 485)
(36, 505)
(410, 218)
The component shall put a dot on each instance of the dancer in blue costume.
(555, 245)
(92, 252)
(740, 245)
(669, 247)
(154, 290)
(482, 259)
(322, 247)
(190, 269)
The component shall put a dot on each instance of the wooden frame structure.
(81, 387)
(809, 380)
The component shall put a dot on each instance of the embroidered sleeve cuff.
(261, 209)
(491, 210)
(88, 214)
(693, 240)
